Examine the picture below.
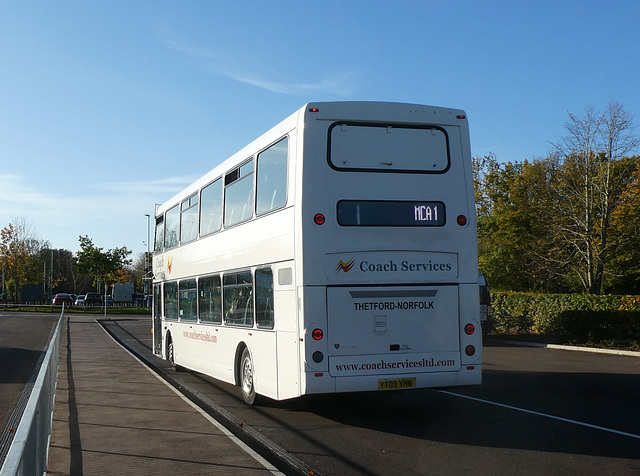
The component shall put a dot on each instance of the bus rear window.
(385, 148)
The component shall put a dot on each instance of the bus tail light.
(462, 220)
(469, 329)
(469, 350)
(319, 219)
(317, 334)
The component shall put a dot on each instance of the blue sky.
(108, 107)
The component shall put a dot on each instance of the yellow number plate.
(396, 384)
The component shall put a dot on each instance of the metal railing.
(28, 452)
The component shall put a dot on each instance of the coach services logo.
(345, 267)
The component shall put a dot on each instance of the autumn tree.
(19, 248)
(513, 223)
(625, 231)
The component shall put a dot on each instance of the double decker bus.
(335, 253)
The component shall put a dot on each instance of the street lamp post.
(146, 260)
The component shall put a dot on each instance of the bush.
(577, 318)
(598, 327)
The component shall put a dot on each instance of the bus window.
(386, 148)
(211, 208)
(159, 240)
(171, 301)
(189, 219)
(238, 302)
(264, 298)
(210, 304)
(271, 179)
(171, 227)
(188, 300)
(238, 195)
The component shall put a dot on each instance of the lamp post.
(146, 260)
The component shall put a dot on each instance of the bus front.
(388, 295)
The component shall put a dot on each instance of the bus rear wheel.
(246, 378)
(171, 355)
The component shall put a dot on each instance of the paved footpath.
(114, 416)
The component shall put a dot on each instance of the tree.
(625, 275)
(567, 222)
(19, 249)
(511, 203)
(139, 273)
(102, 266)
(588, 189)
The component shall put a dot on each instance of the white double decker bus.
(335, 253)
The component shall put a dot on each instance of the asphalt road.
(538, 411)
(23, 338)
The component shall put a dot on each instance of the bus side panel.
(470, 314)
(314, 374)
(261, 345)
(288, 357)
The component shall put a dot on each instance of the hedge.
(575, 318)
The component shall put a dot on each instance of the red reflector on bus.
(319, 219)
(319, 374)
(469, 329)
(317, 334)
(462, 220)
(471, 367)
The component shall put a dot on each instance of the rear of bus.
(387, 234)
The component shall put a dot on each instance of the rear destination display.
(390, 213)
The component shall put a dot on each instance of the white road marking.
(545, 415)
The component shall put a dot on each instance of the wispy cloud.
(215, 62)
(163, 187)
(17, 195)
(62, 205)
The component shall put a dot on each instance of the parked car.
(485, 304)
(62, 298)
(138, 299)
(92, 299)
(80, 301)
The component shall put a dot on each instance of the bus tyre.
(171, 355)
(246, 378)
